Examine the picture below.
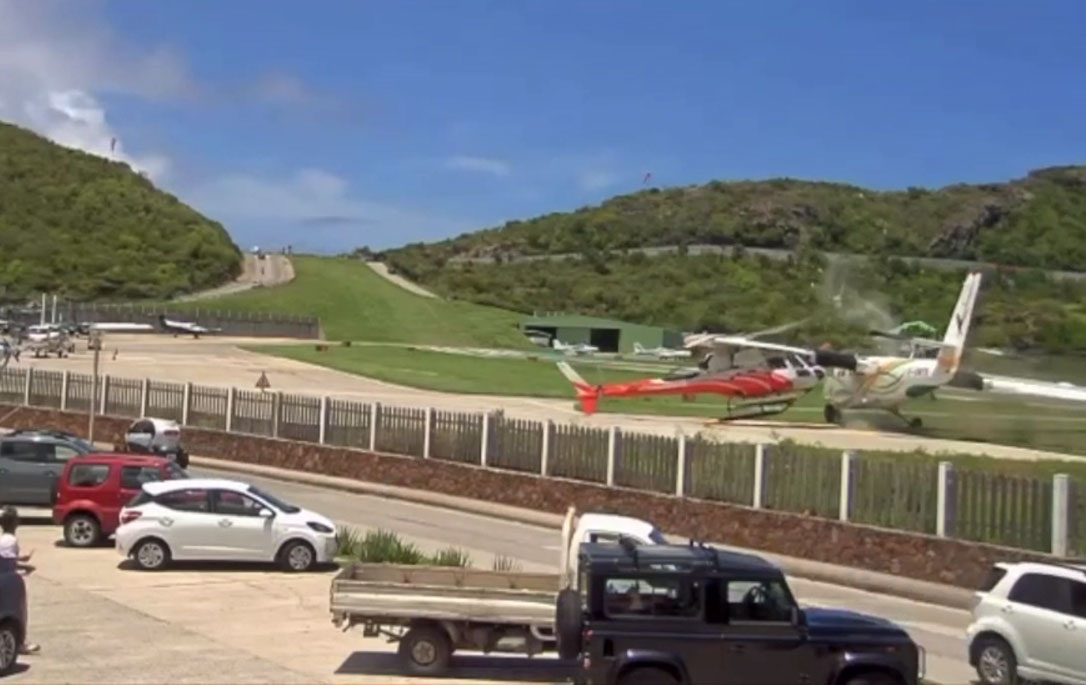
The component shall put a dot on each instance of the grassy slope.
(354, 303)
(957, 415)
(88, 228)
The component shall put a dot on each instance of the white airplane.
(886, 383)
(178, 327)
(661, 352)
(575, 348)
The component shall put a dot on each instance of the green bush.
(386, 547)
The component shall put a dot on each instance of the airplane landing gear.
(831, 413)
(913, 423)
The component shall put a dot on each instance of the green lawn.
(956, 414)
(354, 303)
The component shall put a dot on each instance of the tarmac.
(219, 361)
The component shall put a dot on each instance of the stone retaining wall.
(922, 557)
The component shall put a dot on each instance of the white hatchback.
(1029, 623)
(210, 519)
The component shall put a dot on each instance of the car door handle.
(166, 521)
(225, 523)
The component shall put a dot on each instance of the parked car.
(221, 520)
(12, 617)
(94, 487)
(691, 614)
(1029, 623)
(149, 435)
(30, 461)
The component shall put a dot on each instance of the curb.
(861, 579)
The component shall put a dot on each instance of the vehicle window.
(764, 601)
(88, 475)
(184, 500)
(236, 504)
(141, 498)
(274, 501)
(995, 574)
(64, 453)
(174, 472)
(1078, 598)
(671, 597)
(133, 477)
(603, 537)
(142, 427)
(1043, 591)
(23, 450)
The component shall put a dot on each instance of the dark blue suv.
(12, 617)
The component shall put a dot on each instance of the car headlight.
(319, 527)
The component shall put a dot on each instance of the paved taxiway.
(218, 361)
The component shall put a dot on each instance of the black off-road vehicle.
(677, 614)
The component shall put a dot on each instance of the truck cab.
(691, 614)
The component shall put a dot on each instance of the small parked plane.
(575, 348)
(758, 378)
(179, 327)
(661, 352)
(879, 382)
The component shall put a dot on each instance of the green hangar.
(608, 335)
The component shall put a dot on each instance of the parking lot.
(99, 621)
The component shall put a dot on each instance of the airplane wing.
(730, 342)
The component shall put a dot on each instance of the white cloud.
(596, 180)
(313, 206)
(484, 165)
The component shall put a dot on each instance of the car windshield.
(657, 537)
(83, 445)
(274, 501)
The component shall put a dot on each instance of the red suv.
(92, 488)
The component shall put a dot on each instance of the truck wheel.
(647, 676)
(82, 530)
(567, 623)
(9, 647)
(425, 650)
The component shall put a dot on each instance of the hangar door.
(605, 339)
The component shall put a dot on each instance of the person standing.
(13, 560)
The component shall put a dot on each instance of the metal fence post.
(946, 508)
(105, 396)
(612, 444)
(231, 401)
(1061, 509)
(322, 416)
(680, 467)
(145, 390)
(759, 476)
(28, 381)
(545, 450)
(375, 413)
(186, 403)
(484, 443)
(277, 410)
(427, 427)
(848, 459)
(65, 380)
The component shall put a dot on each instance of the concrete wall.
(922, 557)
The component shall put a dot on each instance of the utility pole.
(43, 304)
(54, 319)
(96, 345)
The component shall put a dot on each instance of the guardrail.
(876, 488)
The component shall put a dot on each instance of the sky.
(333, 124)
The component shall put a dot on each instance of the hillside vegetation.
(1038, 221)
(355, 303)
(87, 228)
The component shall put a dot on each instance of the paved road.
(274, 269)
(938, 629)
(218, 361)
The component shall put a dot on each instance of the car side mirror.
(266, 513)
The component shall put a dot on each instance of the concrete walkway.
(382, 270)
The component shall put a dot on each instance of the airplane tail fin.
(587, 394)
(957, 329)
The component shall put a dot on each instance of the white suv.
(1029, 623)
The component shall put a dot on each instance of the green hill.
(354, 303)
(1039, 220)
(87, 228)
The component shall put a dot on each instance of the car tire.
(996, 662)
(82, 530)
(568, 623)
(297, 556)
(9, 647)
(151, 554)
(425, 650)
(647, 676)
